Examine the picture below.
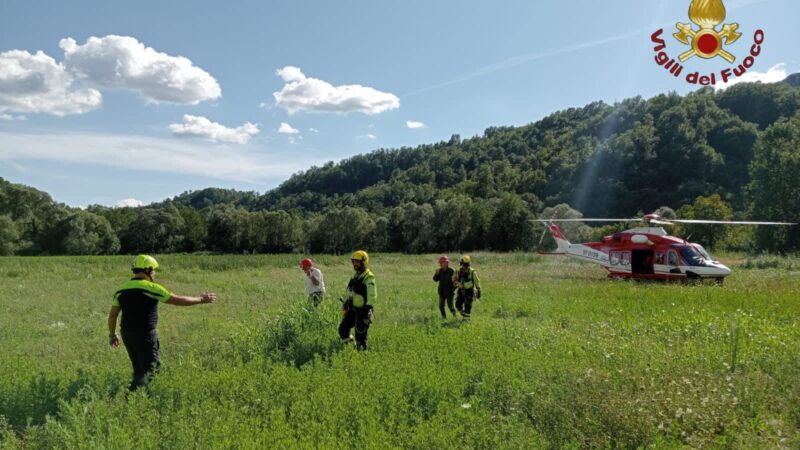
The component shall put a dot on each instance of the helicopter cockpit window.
(659, 257)
(692, 257)
(702, 251)
(614, 257)
(673, 258)
(626, 258)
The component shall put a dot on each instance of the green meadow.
(556, 356)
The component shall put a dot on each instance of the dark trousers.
(449, 299)
(315, 298)
(142, 347)
(360, 318)
(464, 302)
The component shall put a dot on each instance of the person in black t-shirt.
(137, 299)
(444, 275)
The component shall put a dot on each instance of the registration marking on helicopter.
(591, 254)
(595, 255)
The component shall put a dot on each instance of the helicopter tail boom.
(561, 241)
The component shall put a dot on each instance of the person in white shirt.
(315, 286)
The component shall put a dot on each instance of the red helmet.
(443, 259)
(305, 264)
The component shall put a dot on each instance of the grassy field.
(557, 356)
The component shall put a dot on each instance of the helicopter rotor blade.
(541, 239)
(668, 223)
(729, 222)
(589, 220)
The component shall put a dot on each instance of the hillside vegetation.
(737, 150)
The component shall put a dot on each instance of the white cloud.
(38, 84)
(368, 136)
(132, 153)
(295, 139)
(285, 128)
(122, 62)
(195, 126)
(11, 117)
(129, 203)
(775, 74)
(313, 130)
(301, 93)
(414, 125)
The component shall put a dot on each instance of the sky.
(127, 103)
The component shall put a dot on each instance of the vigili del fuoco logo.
(707, 42)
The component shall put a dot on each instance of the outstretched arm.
(181, 300)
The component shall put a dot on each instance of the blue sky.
(175, 96)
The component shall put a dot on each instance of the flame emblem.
(707, 42)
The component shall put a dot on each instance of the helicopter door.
(642, 261)
(673, 262)
(673, 258)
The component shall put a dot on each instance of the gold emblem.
(707, 42)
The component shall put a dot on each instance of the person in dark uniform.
(469, 287)
(361, 295)
(137, 299)
(444, 275)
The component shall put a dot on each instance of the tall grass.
(556, 356)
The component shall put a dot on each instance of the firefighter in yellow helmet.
(361, 295)
(138, 300)
(468, 285)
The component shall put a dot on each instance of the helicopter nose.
(723, 269)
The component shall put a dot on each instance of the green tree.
(228, 229)
(378, 240)
(84, 233)
(666, 212)
(9, 236)
(705, 208)
(279, 231)
(418, 228)
(155, 230)
(341, 230)
(775, 183)
(511, 227)
(452, 223)
(195, 230)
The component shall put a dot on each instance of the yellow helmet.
(144, 262)
(361, 255)
(465, 259)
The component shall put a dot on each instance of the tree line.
(733, 154)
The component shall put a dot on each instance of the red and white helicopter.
(647, 252)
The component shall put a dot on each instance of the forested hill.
(602, 160)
